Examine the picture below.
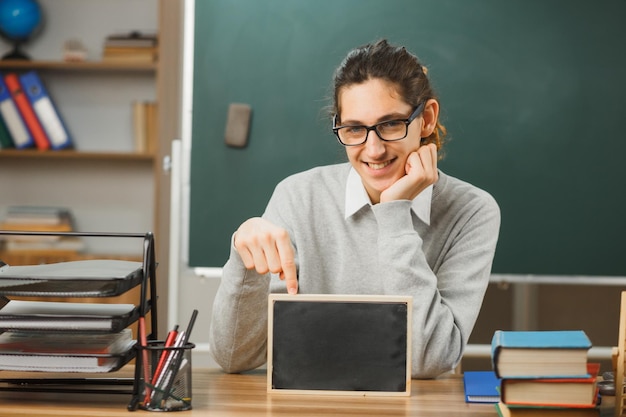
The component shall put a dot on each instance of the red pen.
(144, 343)
(169, 341)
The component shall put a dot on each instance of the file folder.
(28, 114)
(10, 114)
(46, 110)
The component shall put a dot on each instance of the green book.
(5, 137)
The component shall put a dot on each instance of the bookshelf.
(108, 186)
(94, 97)
(78, 66)
(75, 155)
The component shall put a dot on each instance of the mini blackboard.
(339, 344)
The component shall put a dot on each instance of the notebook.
(481, 387)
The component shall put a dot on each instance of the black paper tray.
(17, 315)
(72, 363)
(88, 278)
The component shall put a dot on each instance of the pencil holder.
(165, 377)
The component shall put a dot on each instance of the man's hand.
(421, 171)
(267, 248)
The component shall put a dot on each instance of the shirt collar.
(356, 198)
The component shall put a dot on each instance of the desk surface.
(216, 394)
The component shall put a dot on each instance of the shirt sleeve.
(238, 331)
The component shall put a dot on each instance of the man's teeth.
(378, 166)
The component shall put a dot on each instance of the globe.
(20, 21)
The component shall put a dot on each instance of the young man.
(387, 222)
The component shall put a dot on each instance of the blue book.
(540, 354)
(481, 387)
(12, 118)
(46, 111)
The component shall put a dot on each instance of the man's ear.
(430, 116)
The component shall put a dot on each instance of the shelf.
(78, 66)
(74, 155)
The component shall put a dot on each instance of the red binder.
(27, 112)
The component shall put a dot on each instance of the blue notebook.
(481, 387)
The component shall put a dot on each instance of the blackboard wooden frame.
(339, 344)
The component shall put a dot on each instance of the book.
(151, 126)
(505, 410)
(65, 316)
(481, 387)
(64, 352)
(144, 126)
(39, 219)
(133, 39)
(64, 244)
(139, 126)
(26, 111)
(60, 363)
(38, 215)
(140, 57)
(22, 241)
(66, 343)
(538, 354)
(35, 227)
(134, 47)
(563, 392)
(13, 120)
(46, 110)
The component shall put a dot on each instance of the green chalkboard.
(533, 94)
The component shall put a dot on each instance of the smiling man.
(388, 222)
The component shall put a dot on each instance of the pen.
(144, 344)
(162, 376)
(170, 371)
(169, 341)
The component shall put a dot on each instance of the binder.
(5, 136)
(46, 110)
(12, 118)
(26, 110)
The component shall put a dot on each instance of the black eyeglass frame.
(418, 110)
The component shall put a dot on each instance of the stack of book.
(29, 117)
(40, 219)
(545, 373)
(133, 47)
(63, 351)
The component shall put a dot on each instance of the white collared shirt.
(356, 197)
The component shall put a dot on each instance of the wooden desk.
(216, 394)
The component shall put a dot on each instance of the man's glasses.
(389, 130)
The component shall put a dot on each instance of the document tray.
(72, 363)
(88, 278)
(18, 315)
